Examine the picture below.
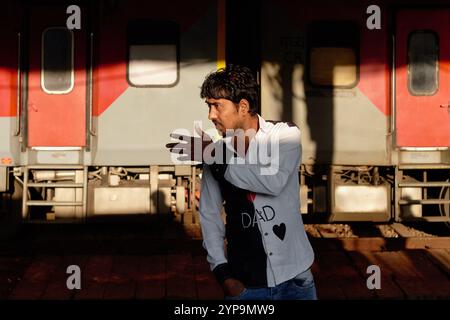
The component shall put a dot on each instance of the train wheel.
(11, 211)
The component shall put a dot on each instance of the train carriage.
(86, 110)
(368, 86)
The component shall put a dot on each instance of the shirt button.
(270, 253)
(266, 234)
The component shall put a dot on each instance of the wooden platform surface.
(122, 266)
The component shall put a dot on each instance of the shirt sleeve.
(212, 225)
(271, 176)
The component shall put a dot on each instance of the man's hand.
(233, 287)
(190, 148)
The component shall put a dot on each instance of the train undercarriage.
(76, 193)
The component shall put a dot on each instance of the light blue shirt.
(276, 200)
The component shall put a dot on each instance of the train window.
(153, 54)
(57, 74)
(423, 70)
(333, 54)
(333, 67)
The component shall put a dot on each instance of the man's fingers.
(181, 150)
(185, 158)
(179, 136)
(186, 147)
(171, 145)
(178, 144)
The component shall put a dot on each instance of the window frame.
(130, 42)
(72, 61)
(355, 46)
(409, 78)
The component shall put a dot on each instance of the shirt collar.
(263, 125)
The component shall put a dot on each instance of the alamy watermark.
(74, 20)
(74, 280)
(374, 280)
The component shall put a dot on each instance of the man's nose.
(212, 115)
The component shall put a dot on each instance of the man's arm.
(213, 231)
(269, 179)
(213, 228)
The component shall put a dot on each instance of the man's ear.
(244, 106)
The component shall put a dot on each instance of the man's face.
(224, 114)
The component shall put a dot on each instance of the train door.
(422, 63)
(56, 95)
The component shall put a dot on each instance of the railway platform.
(166, 261)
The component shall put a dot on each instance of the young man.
(267, 255)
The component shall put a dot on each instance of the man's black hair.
(233, 83)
